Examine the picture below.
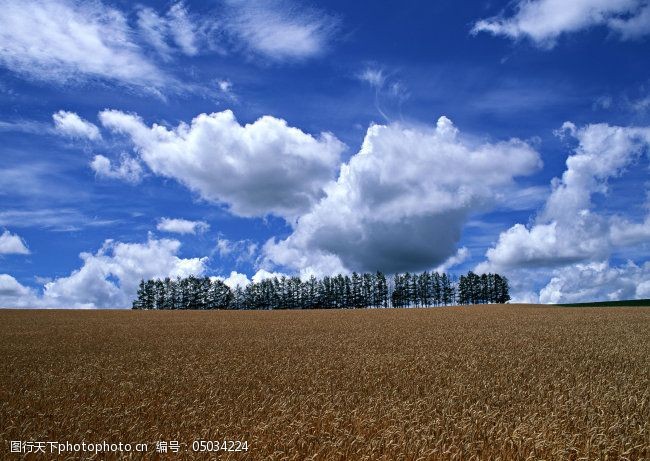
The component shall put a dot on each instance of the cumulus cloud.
(569, 242)
(401, 201)
(628, 233)
(14, 294)
(12, 244)
(71, 125)
(544, 21)
(237, 279)
(234, 280)
(129, 169)
(278, 30)
(568, 230)
(107, 278)
(182, 226)
(262, 275)
(597, 281)
(66, 40)
(261, 168)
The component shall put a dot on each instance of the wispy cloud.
(279, 29)
(544, 21)
(57, 219)
(64, 41)
(26, 126)
(386, 86)
(241, 251)
(175, 31)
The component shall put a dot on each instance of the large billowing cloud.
(569, 240)
(568, 230)
(597, 281)
(67, 40)
(107, 278)
(261, 168)
(543, 21)
(401, 201)
(14, 294)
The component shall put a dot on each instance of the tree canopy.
(330, 292)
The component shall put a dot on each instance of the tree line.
(330, 292)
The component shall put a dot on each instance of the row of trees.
(340, 291)
(483, 289)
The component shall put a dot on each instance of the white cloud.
(633, 26)
(224, 247)
(277, 30)
(12, 244)
(65, 40)
(169, 33)
(241, 250)
(225, 86)
(56, 219)
(129, 169)
(401, 201)
(460, 257)
(567, 230)
(235, 279)
(154, 29)
(547, 245)
(597, 281)
(626, 233)
(374, 77)
(182, 29)
(641, 104)
(26, 126)
(387, 89)
(70, 124)
(107, 278)
(265, 167)
(14, 294)
(544, 21)
(182, 226)
(262, 275)
(569, 242)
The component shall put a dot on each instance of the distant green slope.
(631, 302)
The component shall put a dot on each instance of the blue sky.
(242, 139)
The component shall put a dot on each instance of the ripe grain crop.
(490, 382)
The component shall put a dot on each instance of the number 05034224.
(219, 445)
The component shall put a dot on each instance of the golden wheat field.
(493, 382)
